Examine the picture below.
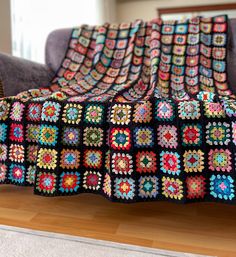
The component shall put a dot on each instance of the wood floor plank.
(15, 214)
(205, 228)
(91, 225)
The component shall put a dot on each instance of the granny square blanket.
(138, 111)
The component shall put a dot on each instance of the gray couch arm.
(18, 75)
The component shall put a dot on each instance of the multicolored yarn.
(138, 111)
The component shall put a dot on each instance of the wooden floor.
(197, 228)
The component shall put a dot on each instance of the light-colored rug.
(19, 242)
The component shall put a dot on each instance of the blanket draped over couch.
(137, 111)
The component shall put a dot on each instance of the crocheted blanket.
(137, 111)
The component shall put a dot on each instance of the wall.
(128, 10)
(109, 9)
(5, 26)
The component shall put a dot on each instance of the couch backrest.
(231, 55)
(57, 44)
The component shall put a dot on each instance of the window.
(32, 21)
